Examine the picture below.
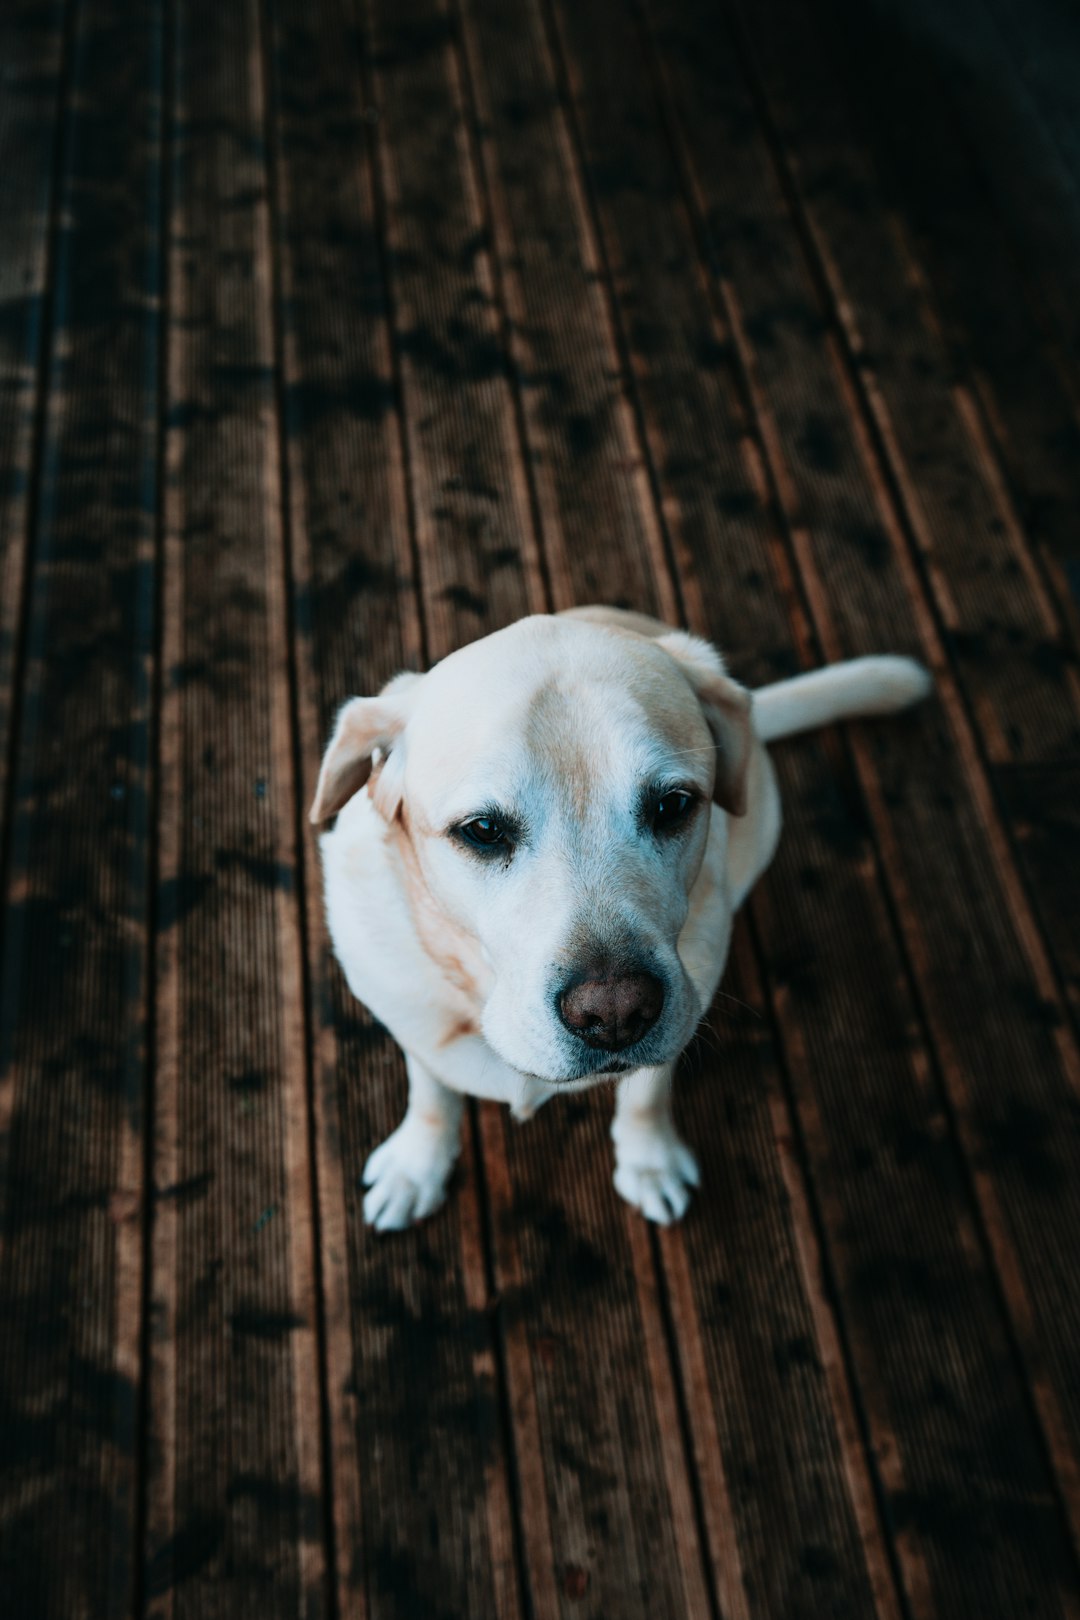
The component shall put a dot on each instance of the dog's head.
(550, 787)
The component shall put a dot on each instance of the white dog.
(539, 850)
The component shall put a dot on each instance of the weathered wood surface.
(74, 1002)
(333, 336)
(234, 1523)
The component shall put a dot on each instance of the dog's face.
(551, 788)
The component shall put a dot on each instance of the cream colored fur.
(564, 722)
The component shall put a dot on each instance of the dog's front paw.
(406, 1176)
(654, 1169)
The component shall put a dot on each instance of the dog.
(539, 849)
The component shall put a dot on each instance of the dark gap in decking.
(512, 1440)
(568, 116)
(929, 602)
(373, 143)
(270, 137)
(959, 355)
(643, 439)
(43, 372)
(962, 1148)
(115, 1117)
(802, 634)
(361, 10)
(1042, 295)
(557, 55)
(481, 181)
(518, 1505)
(164, 239)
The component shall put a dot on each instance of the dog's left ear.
(726, 707)
(362, 745)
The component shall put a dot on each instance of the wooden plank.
(414, 1395)
(858, 1059)
(752, 1275)
(994, 614)
(787, 55)
(234, 1522)
(568, 1267)
(590, 480)
(1000, 114)
(999, 622)
(355, 624)
(32, 51)
(842, 617)
(1003, 378)
(73, 1001)
(458, 457)
(1044, 809)
(768, 1540)
(1043, 43)
(931, 186)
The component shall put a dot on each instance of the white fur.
(862, 686)
(561, 721)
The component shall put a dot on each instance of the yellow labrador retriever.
(539, 849)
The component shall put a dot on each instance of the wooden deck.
(334, 333)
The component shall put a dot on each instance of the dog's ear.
(363, 742)
(726, 707)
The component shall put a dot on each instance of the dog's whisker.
(727, 996)
(687, 753)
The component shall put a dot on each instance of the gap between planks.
(889, 497)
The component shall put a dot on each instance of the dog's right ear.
(363, 741)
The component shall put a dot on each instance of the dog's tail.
(839, 692)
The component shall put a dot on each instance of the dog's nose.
(611, 1012)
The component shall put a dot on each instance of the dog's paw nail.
(661, 1194)
(658, 1182)
(406, 1178)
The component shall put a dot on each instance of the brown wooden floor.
(334, 333)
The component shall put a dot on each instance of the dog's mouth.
(611, 1070)
(588, 1077)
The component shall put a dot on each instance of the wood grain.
(331, 337)
(36, 53)
(235, 1517)
(634, 182)
(75, 946)
(414, 1389)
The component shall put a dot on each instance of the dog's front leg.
(654, 1168)
(406, 1176)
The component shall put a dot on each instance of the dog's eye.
(484, 832)
(671, 810)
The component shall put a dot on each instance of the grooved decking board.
(439, 312)
(999, 625)
(927, 1340)
(1000, 636)
(780, 1548)
(234, 1523)
(420, 1484)
(32, 53)
(591, 482)
(1000, 114)
(1044, 46)
(73, 1003)
(931, 188)
(1044, 805)
(471, 508)
(1003, 1047)
(982, 967)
